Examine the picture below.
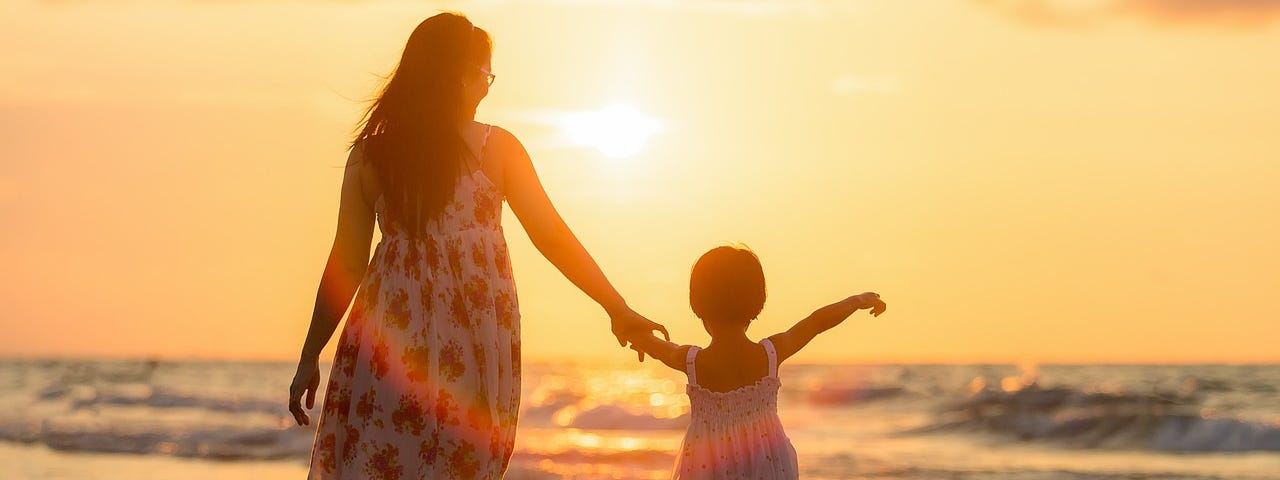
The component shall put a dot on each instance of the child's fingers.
(879, 308)
(663, 329)
(639, 352)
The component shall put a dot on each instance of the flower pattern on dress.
(444, 409)
(326, 462)
(378, 362)
(410, 416)
(429, 449)
(398, 310)
(502, 261)
(350, 444)
(505, 309)
(458, 307)
(451, 363)
(463, 462)
(478, 293)
(425, 381)
(385, 464)
(417, 363)
(367, 405)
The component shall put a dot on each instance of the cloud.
(1236, 13)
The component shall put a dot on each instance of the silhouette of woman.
(425, 381)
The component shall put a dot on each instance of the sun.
(617, 131)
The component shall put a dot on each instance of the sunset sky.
(1022, 181)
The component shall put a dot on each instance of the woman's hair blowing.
(410, 131)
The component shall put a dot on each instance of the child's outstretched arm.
(791, 341)
(668, 353)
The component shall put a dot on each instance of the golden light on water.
(645, 393)
(978, 384)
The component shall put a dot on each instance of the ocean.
(147, 419)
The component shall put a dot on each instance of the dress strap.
(773, 357)
(478, 154)
(688, 365)
(484, 142)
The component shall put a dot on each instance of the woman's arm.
(348, 258)
(347, 262)
(556, 242)
(791, 341)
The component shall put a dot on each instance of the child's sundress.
(736, 434)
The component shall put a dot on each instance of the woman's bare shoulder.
(502, 138)
(358, 164)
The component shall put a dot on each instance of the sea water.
(141, 419)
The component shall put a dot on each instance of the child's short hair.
(727, 284)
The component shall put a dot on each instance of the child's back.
(734, 429)
(734, 433)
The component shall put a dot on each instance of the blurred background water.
(64, 418)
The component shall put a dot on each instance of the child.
(734, 430)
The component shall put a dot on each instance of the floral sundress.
(425, 382)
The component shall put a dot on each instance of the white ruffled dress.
(736, 434)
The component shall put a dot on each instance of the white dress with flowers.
(426, 379)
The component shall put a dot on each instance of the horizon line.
(628, 359)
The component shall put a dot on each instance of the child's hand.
(868, 300)
(639, 352)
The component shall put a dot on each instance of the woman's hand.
(626, 324)
(307, 380)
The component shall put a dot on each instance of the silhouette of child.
(734, 430)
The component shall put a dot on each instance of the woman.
(425, 382)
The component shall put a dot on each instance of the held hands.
(307, 380)
(869, 300)
(626, 324)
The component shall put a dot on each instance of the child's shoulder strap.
(773, 356)
(688, 365)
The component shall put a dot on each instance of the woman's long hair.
(410, 131)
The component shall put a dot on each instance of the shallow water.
(142, 419)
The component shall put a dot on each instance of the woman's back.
(485, 147)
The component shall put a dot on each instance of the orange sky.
(1022, 181)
